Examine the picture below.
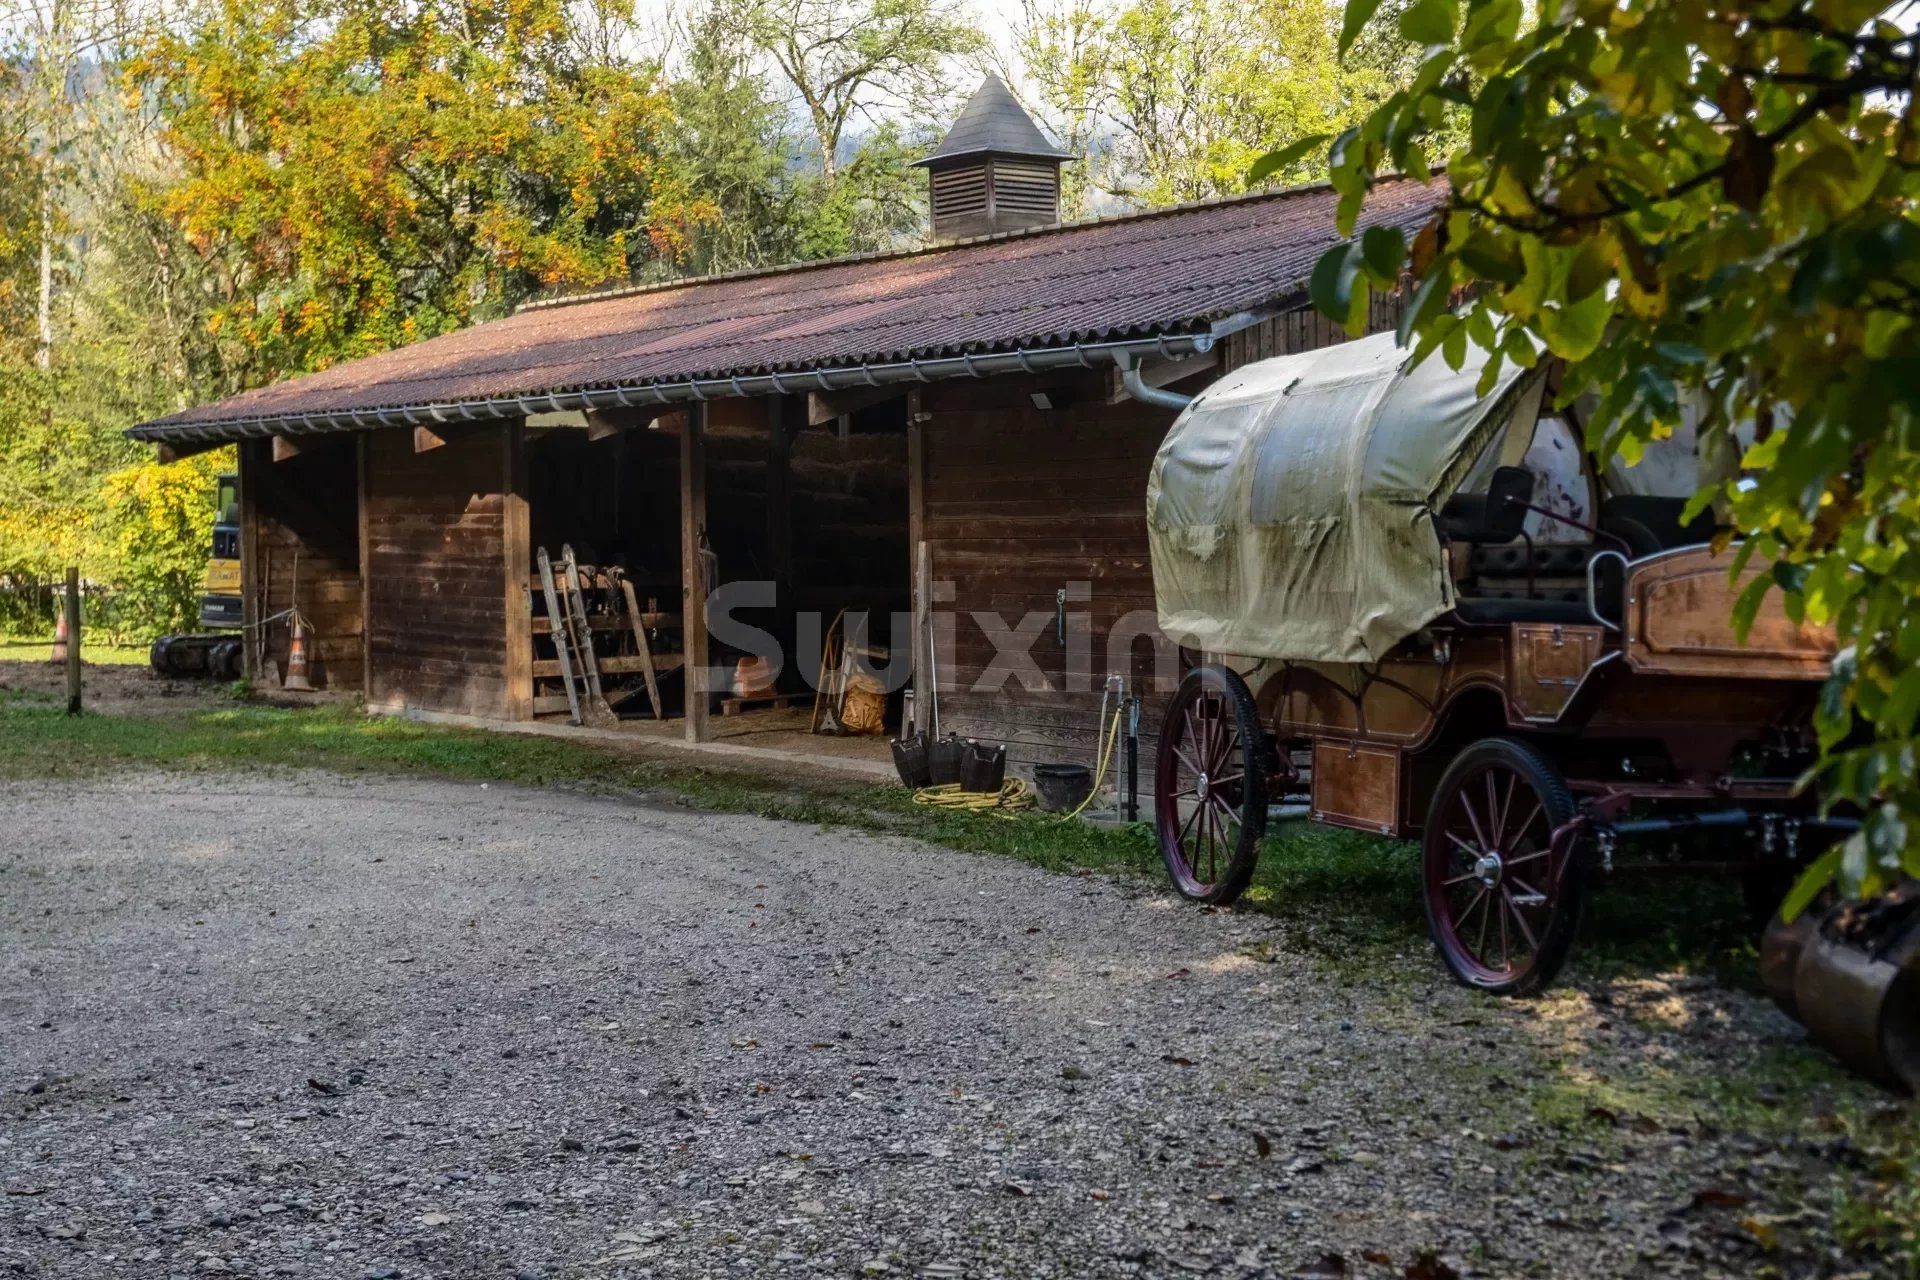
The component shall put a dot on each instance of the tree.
(19, 217)
(56, 39)
(733, 147)
(849, 57)
(1172, 99)
(1708, 203)
(360, 174)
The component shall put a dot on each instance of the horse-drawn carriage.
(1423, 611)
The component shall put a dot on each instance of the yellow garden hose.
(1100, 775)
(1016, 796)
(1010, 798)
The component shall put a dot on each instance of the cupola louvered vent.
(994, 171)
(959, 193)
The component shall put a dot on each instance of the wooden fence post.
(72, 606)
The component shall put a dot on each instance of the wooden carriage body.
(1670, 683)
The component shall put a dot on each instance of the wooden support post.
(424, 439)
(919, 557)
(171, 453)
(516, 544)
(780, 511)
(362, 442)
(72, 605)
(693, 569)
(285, 447)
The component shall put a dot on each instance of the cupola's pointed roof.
(994, 123)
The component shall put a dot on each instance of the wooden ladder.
(577, 662)
(572, 634)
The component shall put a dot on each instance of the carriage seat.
(1546, 582)
(1508, 578)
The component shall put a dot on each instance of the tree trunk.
(43, 349)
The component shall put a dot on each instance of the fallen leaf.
(1176, 1060)
(1378, 1257)
(1761, 1230)
(1017, 1189)
(1263, 1144)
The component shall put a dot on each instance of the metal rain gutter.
(1125, 353)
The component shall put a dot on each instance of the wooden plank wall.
(443, 527)
(1305, 329)
(1019, 503)
(301, 516)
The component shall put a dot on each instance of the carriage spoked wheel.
(1210, 786)
(1501, 906)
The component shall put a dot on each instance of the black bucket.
(943, 759)
(983, 767)
(1062, 786)
(910, 758)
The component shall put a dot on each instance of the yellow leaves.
(1510, 196)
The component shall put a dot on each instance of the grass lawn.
(36, 649)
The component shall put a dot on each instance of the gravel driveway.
(316, 1026)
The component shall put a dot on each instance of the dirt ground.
(122, 689)
(313, 1026)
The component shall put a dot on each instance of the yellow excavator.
(217, 650)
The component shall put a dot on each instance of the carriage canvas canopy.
(1290, 509)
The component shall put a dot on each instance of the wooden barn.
(952, 442)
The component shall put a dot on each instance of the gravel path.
(314, 1026)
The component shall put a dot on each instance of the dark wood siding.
(448, 620)
(1021, 502)
(300, 543)
(1304, 329)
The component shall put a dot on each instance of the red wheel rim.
(1491, 877)
(1200, 787)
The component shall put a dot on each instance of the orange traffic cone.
(59, 637)
(297, 658)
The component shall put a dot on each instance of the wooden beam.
(362, 444)
(599, 424)
(693, 570)
(171, 453)
(918, 565)
(824, 406)
(425, 438)
(516, 537)
(285, 447)
(252, 605)
(780, 505)
(557, 418)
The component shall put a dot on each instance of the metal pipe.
(1137, 387)
(1681, 822)
(837, 378)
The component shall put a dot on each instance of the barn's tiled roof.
(1168, 272)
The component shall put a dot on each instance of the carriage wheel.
(1502, 909)
(1210, 786)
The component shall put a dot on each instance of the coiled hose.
(1015, 796)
